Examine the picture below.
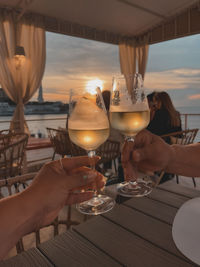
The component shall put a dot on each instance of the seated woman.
(166, 118)
(150, 98)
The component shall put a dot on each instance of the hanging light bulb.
(19, 56)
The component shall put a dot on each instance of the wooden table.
(135, 233)
(38, 143)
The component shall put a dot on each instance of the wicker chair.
(12, 151)
(109, 153)
(60, 141)
(8, 187)
(182, 138)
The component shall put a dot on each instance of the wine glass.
(129, 113)
(88, 128)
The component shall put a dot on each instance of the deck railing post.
(186, 116)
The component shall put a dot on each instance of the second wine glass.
(129, 114)
(88, 128)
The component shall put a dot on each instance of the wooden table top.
(137, 232)
(38, 143)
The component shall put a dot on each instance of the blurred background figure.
(152, 107)
(166, 119)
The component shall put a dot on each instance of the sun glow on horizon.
(93, 84)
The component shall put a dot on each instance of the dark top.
(161, 125)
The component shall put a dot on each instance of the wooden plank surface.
(135, 233)
(30, 258)
(126, 247)
(168, 198)
(146, 227)
(69, 249)
(153, 208)
(180, 190)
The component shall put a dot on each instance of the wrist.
(171, 157)
(31, 210)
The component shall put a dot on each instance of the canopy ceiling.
(115, 20)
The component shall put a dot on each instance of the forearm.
(19, 216)
(185, 160)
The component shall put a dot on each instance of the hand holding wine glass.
(129, 113)
(88, 128)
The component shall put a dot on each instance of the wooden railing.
(186, 116)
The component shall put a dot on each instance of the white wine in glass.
(129, 123)
(129, 114)
(88, 128)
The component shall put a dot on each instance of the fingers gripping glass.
(88, 128)
(129, 113)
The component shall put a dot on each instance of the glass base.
(97, 205)
(134, 189)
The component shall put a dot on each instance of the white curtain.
(142, 57)
(127, 53)
(21, 82)
(133, 57)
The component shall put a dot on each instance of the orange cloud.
(192, 97)
(56, 87)
(172, 79)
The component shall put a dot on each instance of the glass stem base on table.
(135, 188)
(99, 203)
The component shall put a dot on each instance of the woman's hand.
(148, 153)
(63, 183)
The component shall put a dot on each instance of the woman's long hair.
(167, 104)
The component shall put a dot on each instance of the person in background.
(58, 183)
(150, 98)
(166, 118)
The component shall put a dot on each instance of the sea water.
(59, 120)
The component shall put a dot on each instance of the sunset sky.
(173, 66)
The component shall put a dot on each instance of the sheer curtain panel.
(133, 58)
(20, 78)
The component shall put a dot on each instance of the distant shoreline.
(35, 113)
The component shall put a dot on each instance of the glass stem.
(92, 154)
(131, 139)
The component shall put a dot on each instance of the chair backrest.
(182, 137)
(60, 141)
(108, 151)
(12, 152)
